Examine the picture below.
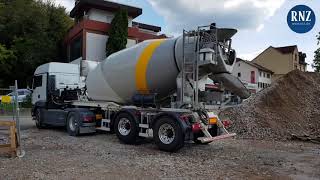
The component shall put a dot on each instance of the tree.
(33, 31)
(118, 33)
(316, 61)
(6, 58)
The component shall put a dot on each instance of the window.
(268, 76)
(239, 64)
(260, 74)
(37, 81)
(76, 49)
(239, 74)
(264, 74)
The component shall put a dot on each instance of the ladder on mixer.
(193, 42)
(190, 71)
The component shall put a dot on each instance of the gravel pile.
(291, 105)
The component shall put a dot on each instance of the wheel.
(126, 128)
(168, 134)
(73, 124)
(38, 120)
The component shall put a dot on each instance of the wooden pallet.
(12, 147)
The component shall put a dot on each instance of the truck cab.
(54, 84)
(54, 77)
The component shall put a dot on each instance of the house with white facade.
(252, 75)
(87, 39)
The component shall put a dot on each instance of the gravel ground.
(52, 154)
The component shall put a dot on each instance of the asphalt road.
(25, 122)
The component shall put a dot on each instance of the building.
(87, 39)
(252, 75)
(282, 60)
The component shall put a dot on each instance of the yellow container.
(6, 99)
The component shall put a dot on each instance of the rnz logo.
(301, 19)
(301, 16)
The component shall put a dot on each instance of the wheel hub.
(166, 133)
(124, 126)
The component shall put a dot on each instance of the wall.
(275, 61)
(298, 66)
(264, 79)
(131, 42)
(104, 16)
(245, 70)
(96, 46)
(100, 15)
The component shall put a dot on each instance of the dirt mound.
(291, 105)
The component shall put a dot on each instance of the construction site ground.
(52, 154)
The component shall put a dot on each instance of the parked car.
(22, 95)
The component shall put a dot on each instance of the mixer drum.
(148, 67)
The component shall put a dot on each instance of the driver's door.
(39, 88)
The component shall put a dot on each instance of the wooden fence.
(12, 146)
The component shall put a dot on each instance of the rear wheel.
(168, 134)
(73, 124)
(126, 128)
(38, 120)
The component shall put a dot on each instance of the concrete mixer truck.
(150, 90)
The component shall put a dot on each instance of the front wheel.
(168, 134)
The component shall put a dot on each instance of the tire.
(38, 120)
(73, 124)
(168, 134)
(126, 128)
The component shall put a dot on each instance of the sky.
(260, 23)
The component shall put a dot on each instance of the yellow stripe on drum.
(142, 65)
